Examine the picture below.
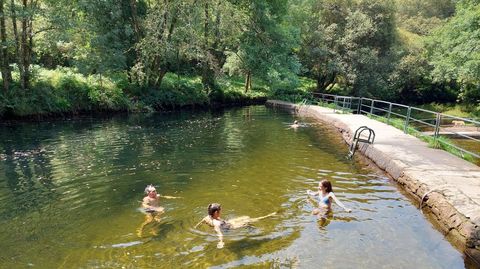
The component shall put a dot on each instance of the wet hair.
(149, 189)
(212, 208)
(326, 185)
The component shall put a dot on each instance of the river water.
(70, 192)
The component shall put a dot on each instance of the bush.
(63, 91)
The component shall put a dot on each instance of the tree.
(453, 51)
(4, 57)
(266, 46)
(322, 26)
(367, 47)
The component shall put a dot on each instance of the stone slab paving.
(451, 185)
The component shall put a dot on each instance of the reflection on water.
(70, 192)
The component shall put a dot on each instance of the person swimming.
(151, 207)
(325, 197)
(213, 220)
(295, 125)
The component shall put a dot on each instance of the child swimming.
(151, 202)
(325, 197)
(151, 207)
(213, 220)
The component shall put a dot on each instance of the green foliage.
(265, 50)
(453, 51)
(422, 16)
(295, 95)
(64, 91)
(146, 55)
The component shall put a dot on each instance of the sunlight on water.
(70, 192)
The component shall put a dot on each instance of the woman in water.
(213, 220)
(325, 197)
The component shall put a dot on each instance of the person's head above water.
(326, 185)
(214, 208)
(295, 122)
(151, 191)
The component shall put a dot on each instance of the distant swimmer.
(151, 207)
(325, 196)
(213, 220)
(295, 125)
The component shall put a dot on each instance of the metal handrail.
(362, 105)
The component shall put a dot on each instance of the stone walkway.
(452, 185)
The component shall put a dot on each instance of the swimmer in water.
(325, 197)
(295, 125)
(151, 207)
(213, 220)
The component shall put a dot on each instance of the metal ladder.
(357, 138)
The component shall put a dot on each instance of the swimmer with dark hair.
(325, 196)
(213, 220)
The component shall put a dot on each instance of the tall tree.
(159, 50)
(266, 47)
(23, 37)
(4, 58)
(322, 26)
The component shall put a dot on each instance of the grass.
(440, 142)
(457, 110)
(297, 94)
(64, 90)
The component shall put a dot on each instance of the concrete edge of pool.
(452, 184)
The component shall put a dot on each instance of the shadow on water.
(28, 174)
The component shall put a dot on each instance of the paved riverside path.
(453, 184)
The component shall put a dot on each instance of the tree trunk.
(16, 37)
(160, 77)
(24, 47)
(135, 23)
(331, 85)
(208, 80)
(28, 61)
(320, 84)
(248, 83)
(5, 64)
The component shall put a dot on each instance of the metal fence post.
(437, 126)
(335, 103)
(405, 130)
(371, 107)
(360, 106)
(389, 112)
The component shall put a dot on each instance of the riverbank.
(451, 186)
(65, 92)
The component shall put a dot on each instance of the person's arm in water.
(218, 230)
(312, 193)
(168, 197)
(338, 202)
(201, 222)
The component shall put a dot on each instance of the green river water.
(70, 192)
